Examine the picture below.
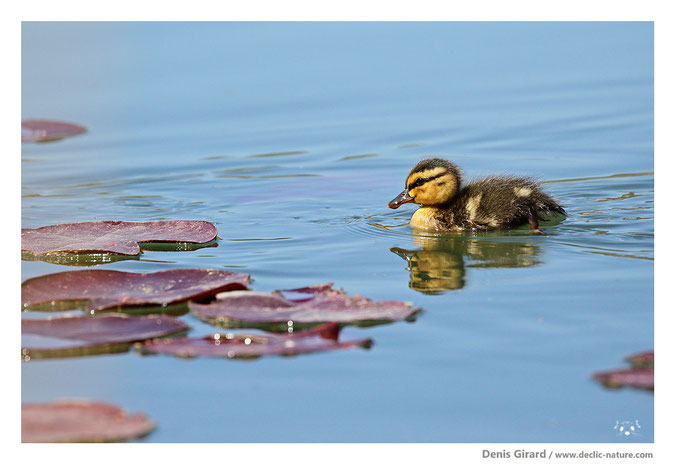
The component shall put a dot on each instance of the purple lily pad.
(641, 378)
(80, 421)
(640, 375)
(85, 335)
(310, 306)
(40, 130)
(643, 359)
(119, 237)
(97, 290)
(318, 339)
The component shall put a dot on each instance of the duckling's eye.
(420, 181)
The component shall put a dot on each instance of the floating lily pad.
(40, 130)
(318, 339)
(641, 378)
(643, 359)
(80, 421)
(77, 259)
(310, 306)
(85, 335)
(303, 294)
(97, 290)
(114, 237)
(640, 375)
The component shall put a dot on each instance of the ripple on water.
(278, 154)
(358, 157)
(610, 215)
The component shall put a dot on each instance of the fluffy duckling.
(496, 202)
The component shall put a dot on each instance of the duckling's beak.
(400, 199)
(405, 254)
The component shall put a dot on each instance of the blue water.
(297, 135)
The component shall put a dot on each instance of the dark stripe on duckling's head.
(433, 181)
(431, 163)
(420, 181)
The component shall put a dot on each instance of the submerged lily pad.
(80, 421)
(640, 375)
(40, 130)
(97, 290)
(318, 339)
(303, 307)
(85, 335)
(77, 259)
(115, 237)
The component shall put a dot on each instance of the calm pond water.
(291, 138)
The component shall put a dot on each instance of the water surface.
(291, 138)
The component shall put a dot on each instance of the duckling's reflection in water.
(440, 264)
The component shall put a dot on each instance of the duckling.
(496, 202)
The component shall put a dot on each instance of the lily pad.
(77, 259)
(642, 359)
(98, 290)
(81, 421)
(318, 339)
(303, 294)
(640, 375)
(305, 307)
(641, 378)
(40, 130)
(114, 237)
(85, 335)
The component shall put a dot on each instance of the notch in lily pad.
(42, 130)
(81, 421)
(108, 290)
(318, 339)
(94, 242)
(75, 336)
(299, 308)
(641, 374)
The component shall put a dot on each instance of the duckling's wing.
(507, 201)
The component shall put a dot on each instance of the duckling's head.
(432, 182)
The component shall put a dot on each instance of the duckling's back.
(500, 202)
